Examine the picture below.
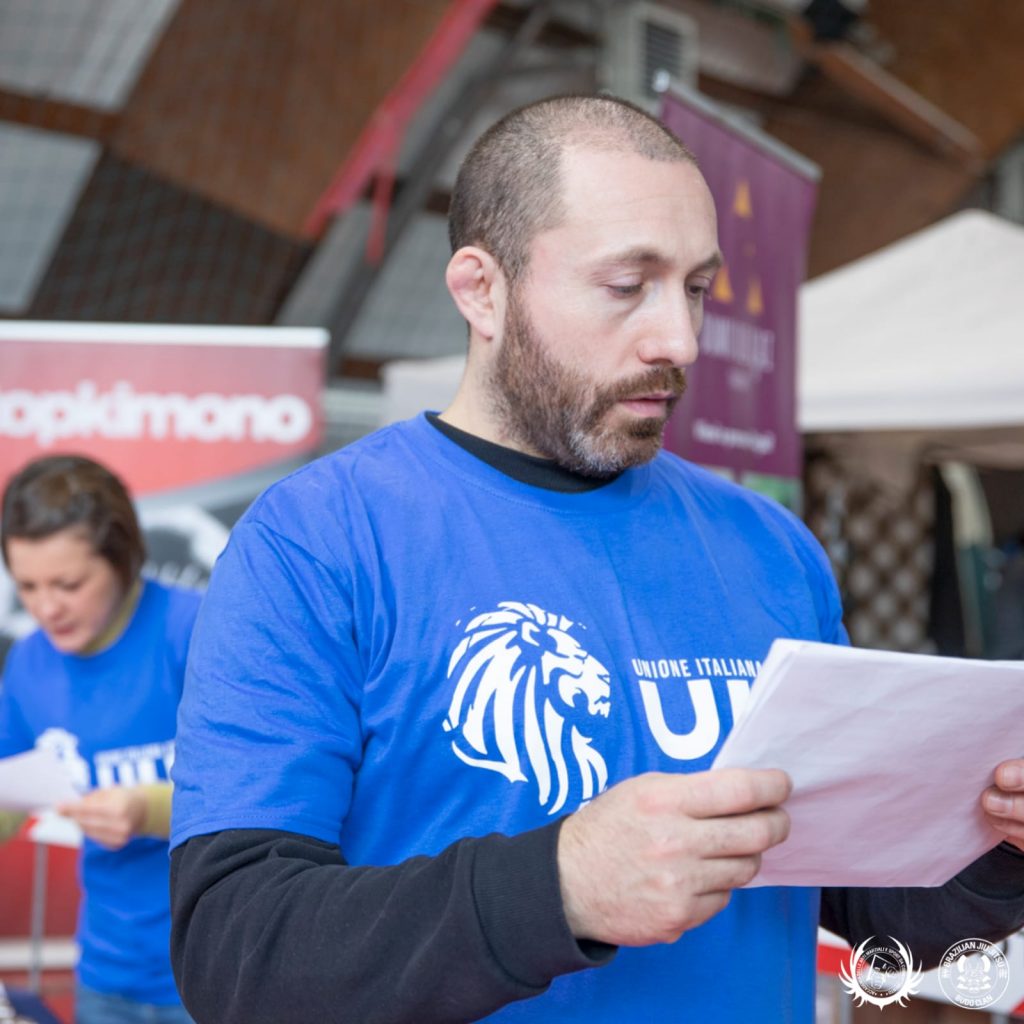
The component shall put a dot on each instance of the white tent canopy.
(926, 334)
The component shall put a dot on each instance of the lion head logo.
(524, 687)
(65, 745)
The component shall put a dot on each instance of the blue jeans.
(92, 1007)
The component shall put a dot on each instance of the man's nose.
(672, 336)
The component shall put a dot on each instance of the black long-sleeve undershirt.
(271, 926)
(984, 901)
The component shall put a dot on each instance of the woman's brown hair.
(62, 492)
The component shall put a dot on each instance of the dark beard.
(548, 408)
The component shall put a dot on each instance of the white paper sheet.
(888, 753)
(33, 781)
(55, 830)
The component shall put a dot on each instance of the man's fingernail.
(998, 804)
(1011, 776)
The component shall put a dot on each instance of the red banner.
(195, 420)
(165, 407)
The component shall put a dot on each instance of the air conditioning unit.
(643, 43)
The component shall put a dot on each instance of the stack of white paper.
(888, 753)
(34, 781)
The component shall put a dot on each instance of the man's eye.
(699, 289)
(70, 588)
(625, 290)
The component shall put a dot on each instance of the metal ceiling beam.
(421, 180)
(57, 116)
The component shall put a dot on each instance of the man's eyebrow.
(643, 256)
(630, 257)
(714, 262)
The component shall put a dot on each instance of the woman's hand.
(10, 823)
(109, 816)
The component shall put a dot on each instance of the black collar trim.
(526, 469)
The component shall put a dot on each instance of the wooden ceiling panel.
(877, 186)
(255, 105)
(965, 56)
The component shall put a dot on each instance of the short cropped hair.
(509, 186)
(71, 492)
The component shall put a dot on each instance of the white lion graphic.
(65, 745)
(518, 674)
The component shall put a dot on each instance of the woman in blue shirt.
(99, 682)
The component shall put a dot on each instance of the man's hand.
(110, 816)
(659, 854)
(1004, 802)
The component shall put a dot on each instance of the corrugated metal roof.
(42, 175)
(409, 313)
(88, 52)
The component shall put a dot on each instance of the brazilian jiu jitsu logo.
(973, 973)
(527, 696)
(881, 974)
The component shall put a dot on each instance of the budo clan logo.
(973, 973)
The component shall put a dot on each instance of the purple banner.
(739, 412)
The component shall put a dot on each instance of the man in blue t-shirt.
(455, 690)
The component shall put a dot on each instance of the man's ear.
(477, 285)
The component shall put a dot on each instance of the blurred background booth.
(911, 400)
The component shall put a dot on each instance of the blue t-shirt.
(402, 647)
(111, 718)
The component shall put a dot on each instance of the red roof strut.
(377, 147)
